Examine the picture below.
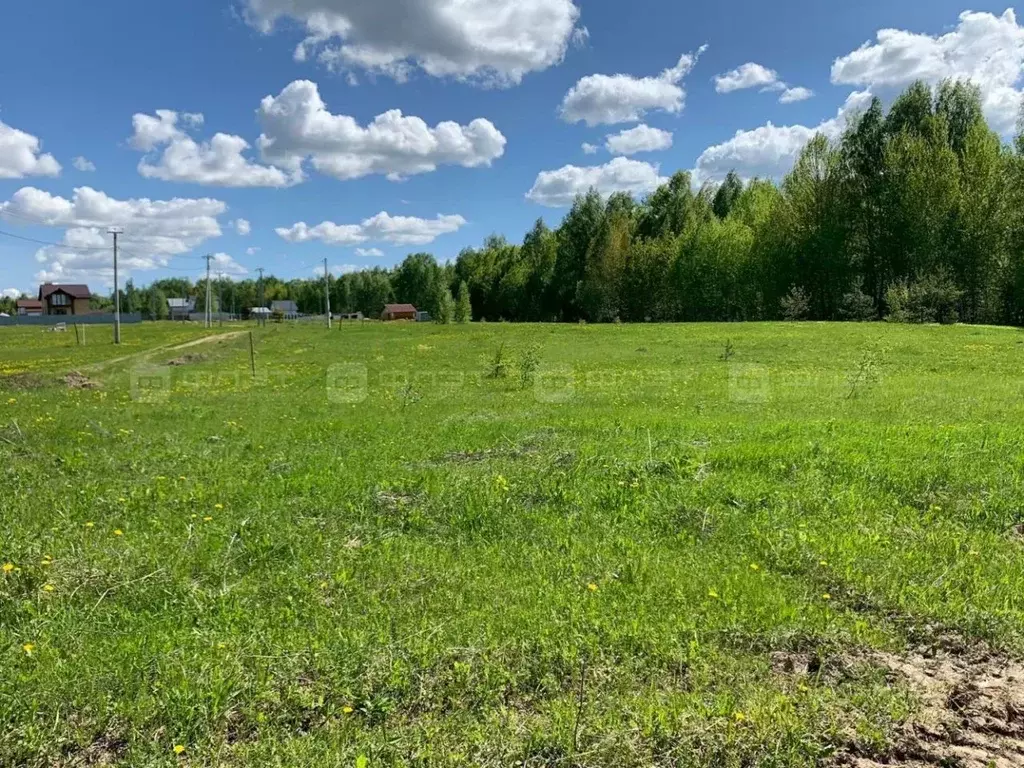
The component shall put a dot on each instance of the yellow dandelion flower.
(592, 587)
(218, 506)
(90, 524)
(739, 717)
(11, 400)
(28, 648)
(324, 585)
(222, 646)
(823, 563)
(347, 710)
(712, 594)
(755, 567)
(826, 596)
(121, 500)
(45, 563)
(182, 477)
(119, 532)
(207, 519)
(48, 587)
(8, 567)
(179, 748)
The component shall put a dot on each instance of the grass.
(383, 550)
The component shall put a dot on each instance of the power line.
(72, 248)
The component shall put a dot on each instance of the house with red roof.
(398, 312)
(29, 307)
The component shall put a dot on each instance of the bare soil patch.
(22, 382)
(78, 380)
(189, 359)
(972, 711)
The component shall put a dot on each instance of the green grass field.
(667, 545)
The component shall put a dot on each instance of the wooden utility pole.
(262, 318)
(209, 308)
(115, 231)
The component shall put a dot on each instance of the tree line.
(915, 214)
(912, 214)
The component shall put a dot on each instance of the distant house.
(260, 312)
(288, 309)
(398, 312)
(64, 299)
(29, 307)
(180, 309)
(351, 316)
(423, 317)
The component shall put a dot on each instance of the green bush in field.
(528, 363)
(796, 305)
(931, 299)
(857, 305)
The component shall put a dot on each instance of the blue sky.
(515, 78)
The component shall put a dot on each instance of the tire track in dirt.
(165, 348)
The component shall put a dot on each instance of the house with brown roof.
(64, 299)
(398, 312)
(29, 308)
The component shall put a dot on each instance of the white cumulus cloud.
(154, 230)
(793, 95)
(643, 138)
(590, 149)
(242, 226)
(224, 264)
(21, 155)
(298, 126)
(559, 188)
(398, 230)
(252, 251)
(369, 252)
(771, 150)
(610, 99)
(753, 75)
(83, 164)
(489, 41)
(219, 162)
(11, 293)
(985, 48)
(749, 75)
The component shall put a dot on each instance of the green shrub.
(857, 305)
(933, 298)
(528, 363)
(795, 305)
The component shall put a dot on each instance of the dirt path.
(164, 348)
